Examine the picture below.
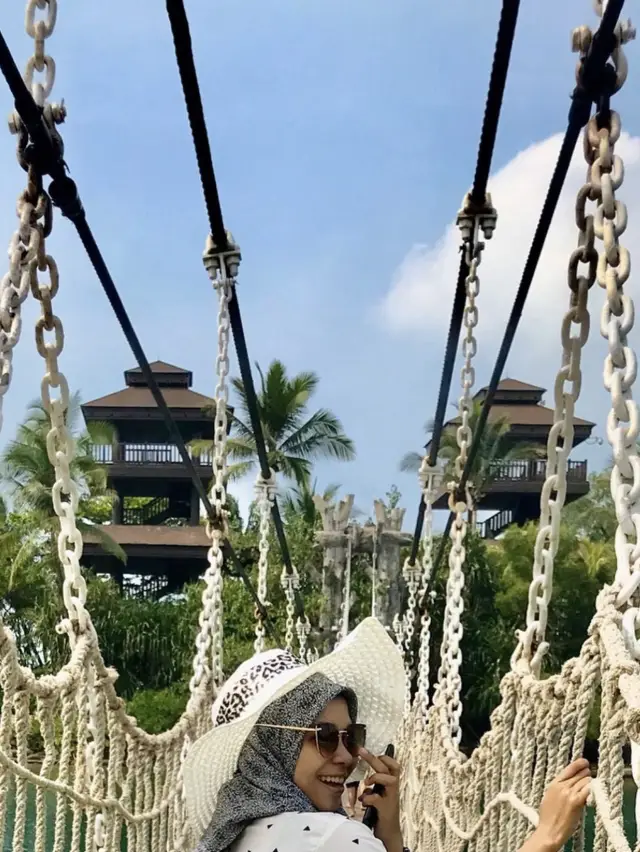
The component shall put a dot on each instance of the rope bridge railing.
(108, 777)
(489, 800)
(591, 71)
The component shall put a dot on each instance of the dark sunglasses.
(328, 737)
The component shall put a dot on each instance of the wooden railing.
(532, 470)
(494, 525)
(145, 454)
(147, 513)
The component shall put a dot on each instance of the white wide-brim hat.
(367, 661)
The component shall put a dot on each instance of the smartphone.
(370, 817)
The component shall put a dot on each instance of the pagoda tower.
(514, 486)
(156, 516)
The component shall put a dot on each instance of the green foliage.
(151, 643)
(299, 502)
(485, 649)
(157, 710)
(593, 516)
(393, 496)
(577, 578)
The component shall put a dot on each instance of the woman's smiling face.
(322, 779)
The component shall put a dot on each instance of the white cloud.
(415, 299)
(420, 294)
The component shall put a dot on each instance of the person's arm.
(561, 809)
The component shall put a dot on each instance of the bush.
(158, 710)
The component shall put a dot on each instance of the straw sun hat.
(366, 661)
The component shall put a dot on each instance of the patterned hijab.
(263, 785)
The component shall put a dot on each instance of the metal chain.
(303, 629)
(26, 248)
(209, 638)
(343, 630)
(449, 689)
(374, 575)
(605, 177)
(430, 479)
(449, 679)
(222, 268)
(28, 257)
(266, 493)
(469, 348)
(532, 645)
(290, 584)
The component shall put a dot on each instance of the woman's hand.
(561, 808)
(386, 772)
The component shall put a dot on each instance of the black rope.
(46, 156)
(597, 78)
(195, 114)
(593, 78)
(493, 105)
(191, 89)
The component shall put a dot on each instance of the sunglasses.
(328, 737)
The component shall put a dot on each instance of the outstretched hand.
(561, 808)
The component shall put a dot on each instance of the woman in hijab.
(271, 775)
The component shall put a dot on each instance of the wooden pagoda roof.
(142, 398)
(519, 403)
(176, 389)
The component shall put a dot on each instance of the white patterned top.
(314, 832)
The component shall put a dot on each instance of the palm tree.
(293, 439)
(298, 502)
(495, 445)
(28, 476)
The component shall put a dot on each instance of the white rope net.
(100, 777)
(489, 800)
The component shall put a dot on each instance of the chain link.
(222, 268)
(469, 350)
(430, 480)
(265, 493)
(26, 249)
(28, 258)
(471, 222)
(290, 584)
(574, 335)
(374, 575)
(605, 177)
(624, 32)
(209, 638)
(343, 630)
(303, 629)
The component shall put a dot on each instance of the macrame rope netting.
(99, 774)
(489, 800)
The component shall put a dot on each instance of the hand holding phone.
(371, 814)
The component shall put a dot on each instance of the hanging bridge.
(108, 778)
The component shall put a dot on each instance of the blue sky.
(344, 138)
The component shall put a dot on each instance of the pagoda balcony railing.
(147, 454)
(532, 470)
